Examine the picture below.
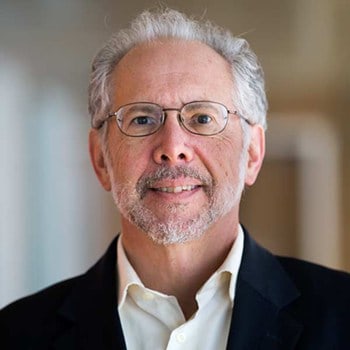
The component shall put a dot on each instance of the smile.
(176, 189)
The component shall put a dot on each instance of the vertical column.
(12, 186)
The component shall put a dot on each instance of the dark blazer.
(280, 303)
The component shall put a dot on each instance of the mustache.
(148, 180)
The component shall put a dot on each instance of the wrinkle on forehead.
(171, 70)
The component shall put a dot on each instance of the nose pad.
(173, 144)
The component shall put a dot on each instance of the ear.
(98, 159)
(256, 153)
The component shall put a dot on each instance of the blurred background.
(55, 220)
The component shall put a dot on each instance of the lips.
(177, 180)
(176, 189)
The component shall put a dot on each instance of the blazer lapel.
(263, 291)
(260, 320)
(91, 309)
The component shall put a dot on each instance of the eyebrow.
(194, 105)
(142, 108)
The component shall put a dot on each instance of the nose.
(172, 142)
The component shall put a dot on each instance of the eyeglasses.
(198, 117)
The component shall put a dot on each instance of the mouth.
(176, 189)
(179, 180)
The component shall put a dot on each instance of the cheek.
(225, 155)
(129, 157)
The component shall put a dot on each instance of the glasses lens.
(139, 119)
(204, 118)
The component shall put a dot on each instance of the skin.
(171, 73)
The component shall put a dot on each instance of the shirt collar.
(233, 261)
(128, 276)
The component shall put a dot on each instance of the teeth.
(176, 189)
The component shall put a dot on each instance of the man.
(178, 117)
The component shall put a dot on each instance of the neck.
(179, 269)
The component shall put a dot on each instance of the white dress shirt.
(154, 321)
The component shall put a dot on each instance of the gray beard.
(176, 230)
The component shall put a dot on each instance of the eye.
(204, 119)
(143, 120)
(201, 119)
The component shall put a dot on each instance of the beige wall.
(55, 220)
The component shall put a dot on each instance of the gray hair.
(249, 92)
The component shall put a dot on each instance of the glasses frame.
(180, 119)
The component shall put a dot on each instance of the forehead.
(172, 71)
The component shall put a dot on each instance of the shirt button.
(148, 296)
(181, 337)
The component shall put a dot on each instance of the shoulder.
(314, 276)
(38, 320)
(35, 316)
(323, 304)
(46, 299)
(321, 289)
(309, 278)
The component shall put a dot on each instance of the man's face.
(174, 185)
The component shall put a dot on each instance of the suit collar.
(264, 290)
(91, 308)
(260, 320)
